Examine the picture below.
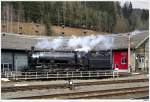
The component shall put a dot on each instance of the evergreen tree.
(145, 15)
(101, 16)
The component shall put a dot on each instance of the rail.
(98, 94)
(5, 89)
(58, 75)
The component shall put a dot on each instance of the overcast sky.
(142, 4)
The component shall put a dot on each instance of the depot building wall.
(13, 60)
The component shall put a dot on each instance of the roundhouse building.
(15, 47)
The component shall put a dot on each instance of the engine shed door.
(20, 61)
(120, 59)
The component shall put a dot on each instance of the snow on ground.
(5, 79)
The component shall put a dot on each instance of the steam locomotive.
(56, 61)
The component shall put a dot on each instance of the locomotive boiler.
(56, 61)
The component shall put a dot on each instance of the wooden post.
(13, 76)
(129, 50)
(117, 74)
(57, 75)
(36, 75)
(81, 73)
(67, 74)
(47, 75)
(25, 75)
(105, 73)
(89, 74)
(72, 74)
(10, 74)
(97, 74)
(113, 74)
(7, 75)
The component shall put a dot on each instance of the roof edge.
(140, 43)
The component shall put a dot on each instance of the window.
(123, 60)
(6, 67)
(10, 66)
(141, 59)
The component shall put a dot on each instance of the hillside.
(68, 31)
(37, 29)
(101, 16)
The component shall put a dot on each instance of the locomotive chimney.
(30, 60)
(32, 49)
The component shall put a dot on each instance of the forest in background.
(99, 16)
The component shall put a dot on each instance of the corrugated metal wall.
(19, 61)
(6, 61)
(6, 57)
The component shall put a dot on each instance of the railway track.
(99, 94)
(54, 86)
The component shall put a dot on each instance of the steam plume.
(85, 43)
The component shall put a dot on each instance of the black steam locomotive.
(56, 61)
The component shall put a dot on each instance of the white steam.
(85, 49)
(88, 43)
(135, 32)
(85, 44)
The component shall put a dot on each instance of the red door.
(120, 59)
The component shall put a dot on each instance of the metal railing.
(58, 75)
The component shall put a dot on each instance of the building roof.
(24, 42)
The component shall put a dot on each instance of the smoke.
(85, 43)
(85, 49)
(80, 43)
(135, 32)
(88, 43)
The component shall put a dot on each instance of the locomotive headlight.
(35, 56)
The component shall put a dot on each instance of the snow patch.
(20, 84)
(135, 73)
(5, 79)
